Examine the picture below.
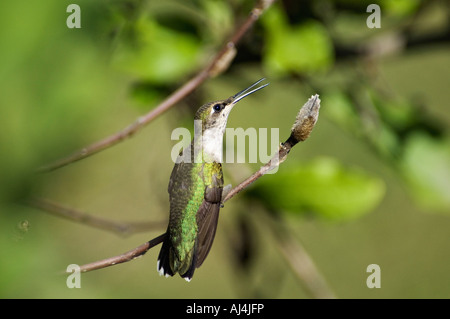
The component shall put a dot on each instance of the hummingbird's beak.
(239, 96)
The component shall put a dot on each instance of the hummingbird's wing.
(207, 218)
(209, 214)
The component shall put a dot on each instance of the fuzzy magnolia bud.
(305, 120)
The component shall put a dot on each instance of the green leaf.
(300, 48)
(323, 187)
(400, 7)
(426, 167)
(55, 87)
(219, 18)
(342, 112)
(158, 54)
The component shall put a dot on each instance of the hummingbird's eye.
(217, 107)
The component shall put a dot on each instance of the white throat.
(212, 144)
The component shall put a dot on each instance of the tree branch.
(302, 265)
(129, 255)
(218, 65)
(120, 228)
(298, 259)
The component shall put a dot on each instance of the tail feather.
(163, 265)
(190, 272)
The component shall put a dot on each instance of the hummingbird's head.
(214, 115)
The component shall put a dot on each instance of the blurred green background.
(370, 186)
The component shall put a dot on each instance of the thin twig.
(219, 64)
(304, 123)
(293, 252)
(120, 228)
(302, 264)
(129, 255)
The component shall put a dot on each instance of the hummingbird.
(196, 191)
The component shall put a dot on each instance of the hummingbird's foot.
(225, 192)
